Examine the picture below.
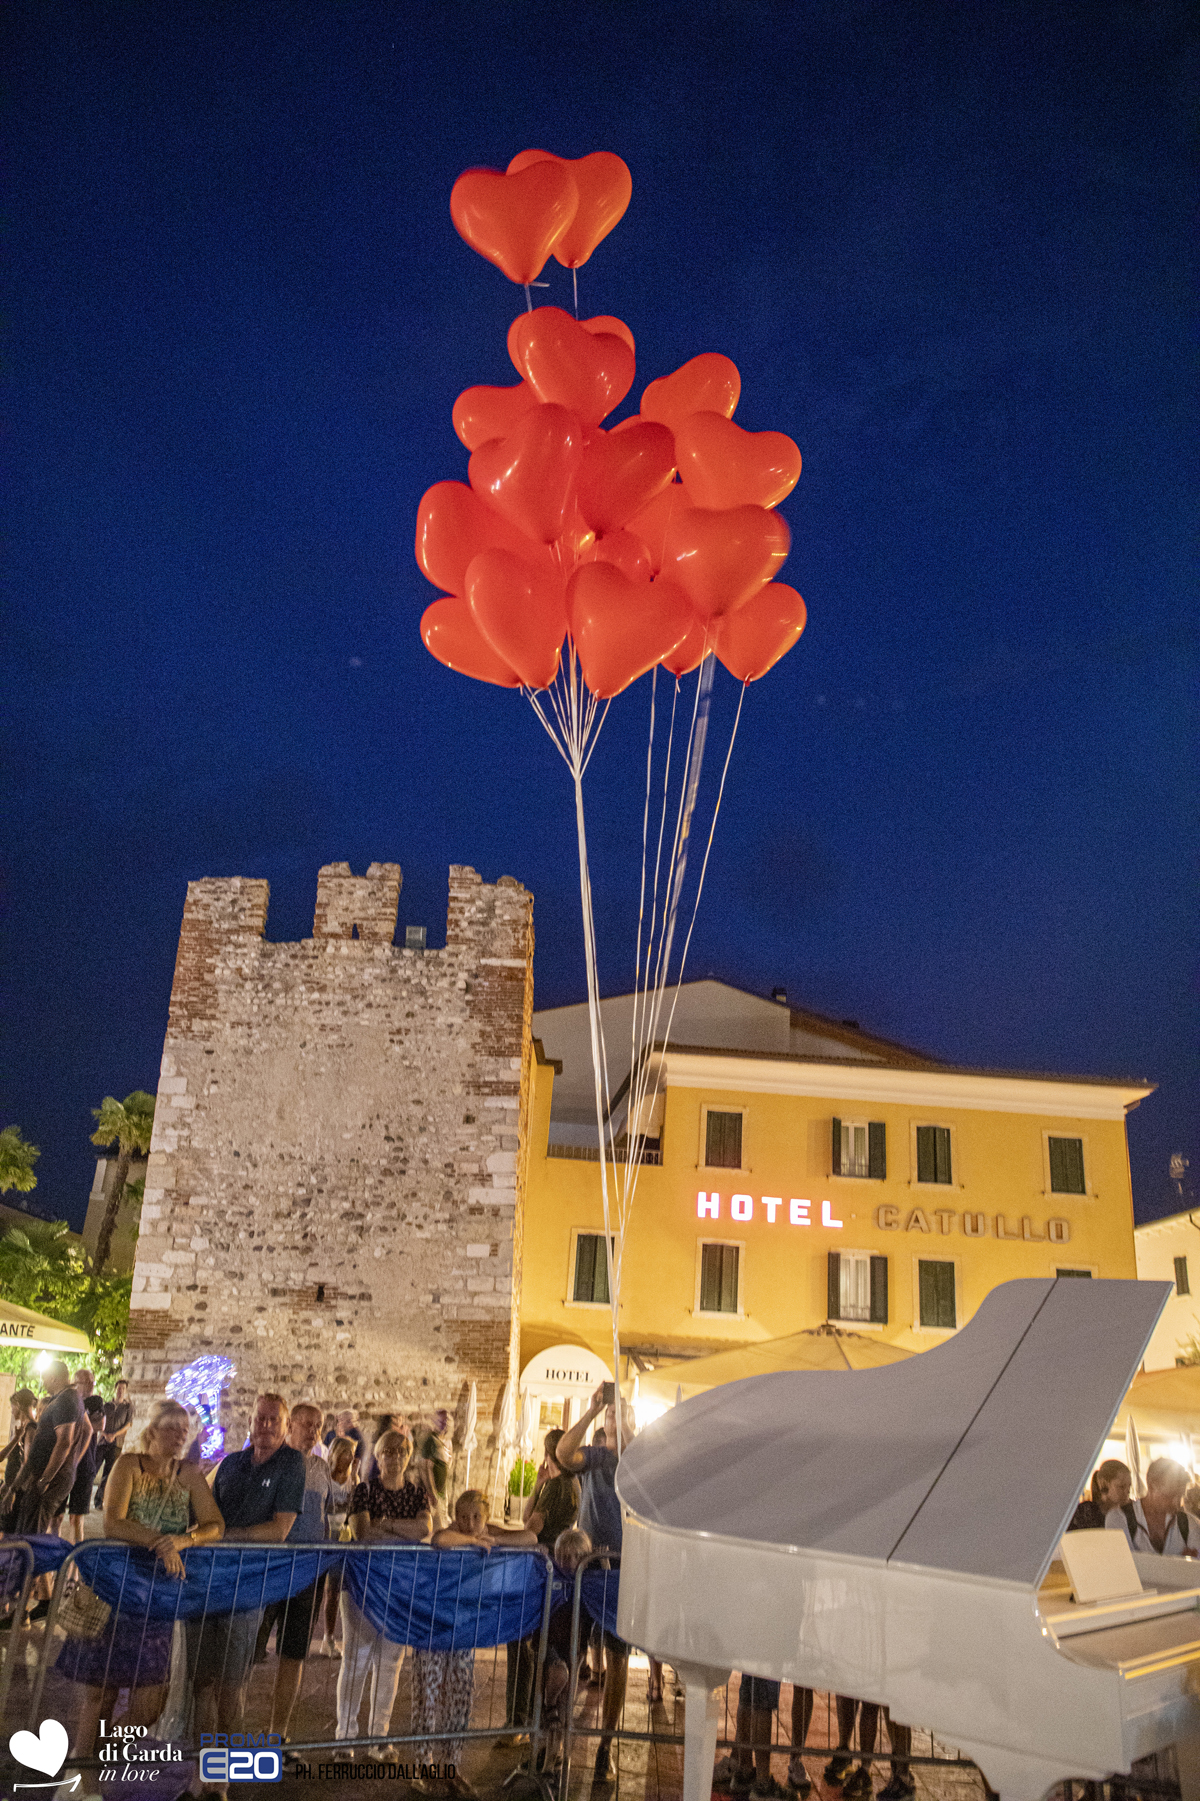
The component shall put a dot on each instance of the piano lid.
(969, 1457)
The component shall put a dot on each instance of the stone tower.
(336, 1181)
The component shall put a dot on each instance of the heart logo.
(708, 384)
(515, 220)
(622, 628)
(605, 186)
(721, 559)
(588, 372)
(725, 466)
(46, 1752)
(752, 640)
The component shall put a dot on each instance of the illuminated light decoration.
(198, 1387)
(887, 1218)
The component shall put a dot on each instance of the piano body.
(887, 1534)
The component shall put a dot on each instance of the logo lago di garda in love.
(772, 1208)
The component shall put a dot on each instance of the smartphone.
(608, 1393)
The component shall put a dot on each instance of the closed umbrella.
(468, 1441)
(530, 1411)
(506, 1432)
(1133, 1456)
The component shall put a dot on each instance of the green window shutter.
(1072, 1272)
(835, 1279)
(926, 1155)
(591, 1268)
(719, 1278)
(941, 1146)
(877, 1151)
(723, 1140)
(879, 1291)
(1066, 1166)
(1182, 1285)
(836, 1153)
(936, 1294)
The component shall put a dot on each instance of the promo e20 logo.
(219, 1764)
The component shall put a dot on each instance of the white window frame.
(859, 1325)
(578, 1232)
(954, 1185)
(938, 1332)
(1055, 1194)
(739, 1245)
(841, 1175)
(702, 1147)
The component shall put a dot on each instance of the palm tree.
(17, 1159)
(130, 1124)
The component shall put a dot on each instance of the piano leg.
(704, 1698)
(1187, 1760)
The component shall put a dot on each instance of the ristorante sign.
(744, 1208)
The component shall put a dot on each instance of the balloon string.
(528, 299)
(575, 286)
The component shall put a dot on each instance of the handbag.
(84, 1614)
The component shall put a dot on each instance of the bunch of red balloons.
(653, 542)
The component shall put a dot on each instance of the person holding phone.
(600, 1518)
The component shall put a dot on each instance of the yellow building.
(798, 1170)
(1168, 1250)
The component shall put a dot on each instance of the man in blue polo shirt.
(260, 1491)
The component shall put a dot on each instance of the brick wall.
(337, 1168)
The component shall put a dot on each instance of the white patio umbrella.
(468, 1441)
(506, 1433)
(530, 1414)
(26, 1330)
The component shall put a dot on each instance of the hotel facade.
(798, 1171)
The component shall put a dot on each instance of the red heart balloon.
(653, 522)
(752, 640)
(721, 559)
(622, 473)
(621, 628)
(454, 525)
(563, 362)
(481, 414)
(520, 613)
(605, 186)
(624, 552)
(709, 383)
(725, 466)
(529, 477)
(609, 325)
(603, 325)
(515, 220)
(691, 651)
(451, 635)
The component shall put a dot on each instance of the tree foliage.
(42, 1266)
(129, 1124)
(17, 1159)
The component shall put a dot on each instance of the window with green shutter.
(933, 1154)
(723, 1140)
(1072, 1272)
(591, 1268)
(719, 1278)
(1182, 1285)
(936, 1289)
(1066, 1166)
(859, 1148)
(858, 1287)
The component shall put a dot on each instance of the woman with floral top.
(385, 1510)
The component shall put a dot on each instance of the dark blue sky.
(947, 247)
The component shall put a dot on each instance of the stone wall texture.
(335, 1184)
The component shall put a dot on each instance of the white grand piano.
(889, 1534)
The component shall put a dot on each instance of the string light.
(198, 1387)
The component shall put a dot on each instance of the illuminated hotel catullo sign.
(774, 1209)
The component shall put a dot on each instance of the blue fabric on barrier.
(48, 1552)
(449, 1600)
(216, 1582)
(599, 1597)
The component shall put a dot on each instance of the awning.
(565, 1372)
(1163, 1403)
(820, 1348)
(29, 1331)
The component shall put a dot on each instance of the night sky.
(948, 248)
